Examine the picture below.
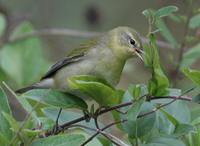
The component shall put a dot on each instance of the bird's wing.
(61, 63)
(72, 57)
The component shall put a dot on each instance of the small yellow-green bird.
(103, 57)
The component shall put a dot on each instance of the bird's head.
(125, 42)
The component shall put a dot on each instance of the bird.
(103, 57)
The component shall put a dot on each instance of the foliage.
(151, 114)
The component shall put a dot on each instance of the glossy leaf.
(193, 75)
(195, 21)
(95, 88)
(165, 11)
(55, 98)
(58, 140)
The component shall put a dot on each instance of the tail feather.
(44, 84)
(25, 89)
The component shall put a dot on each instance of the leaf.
(164, 141)
(3, 140)
(175, 113)
(159, 83)
(93, 142)
(2, 24)
(165, 11)
(170, 117)
(13, 123)
(4, 106)
(95, 88)
(143, 125)
(183, 129)
(31, 133)
(193, 75)
(55, 98)
(24, 107)
(5, 128)
(164, 30)
(65, 116)
(27, 63)
(134, 111)
(58, 140)
(196, 98)
(191, 56)
(195, 21)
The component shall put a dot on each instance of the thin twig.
(98, 131)
(109, 136)
(73, 33)
(68, 124)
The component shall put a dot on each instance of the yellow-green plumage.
(103, 57)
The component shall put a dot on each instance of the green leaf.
(183, 129)
(4, 106)
(196, 98)
(175, 113)
(165, 11)
(164, 30)
(134, 111)
(95, 88)
(170, 117)
(2, 24)
(13, 123)
(58, 140)
(55, 98)
(193, 75)
(195, 21)
(93, 142)
(5, 128)
(31, 133)
(3, 140)
(159, 83)
(164, 141)
(27, 63)
(191, 56)
(143, 125)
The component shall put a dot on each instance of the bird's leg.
(56, 127)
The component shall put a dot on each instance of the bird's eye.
(132, 42)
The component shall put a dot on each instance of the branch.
(83, 118)
(73, 33)
(109, 136)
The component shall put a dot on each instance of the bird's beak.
(139, 52)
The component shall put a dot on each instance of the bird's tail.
(25, 89)
(44, 84)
